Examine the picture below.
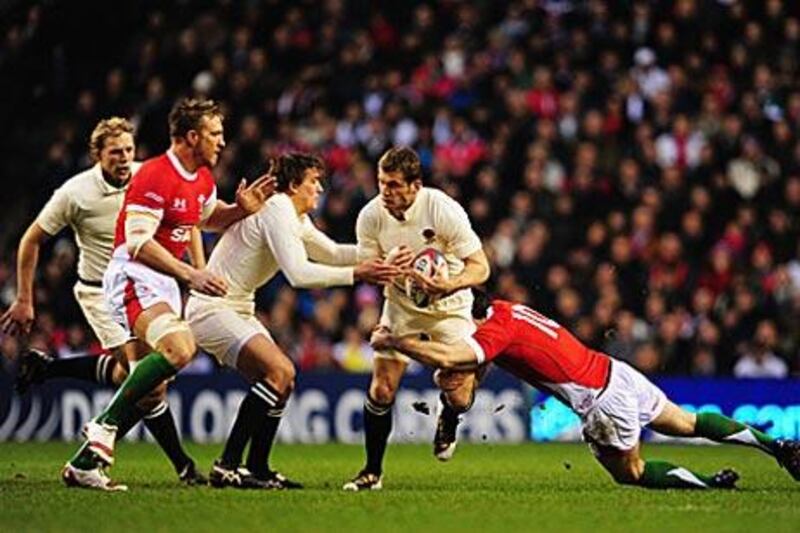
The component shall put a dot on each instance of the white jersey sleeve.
(367, 230)
(323, 249)
(57, 212)
(453, 224)
(283, 233)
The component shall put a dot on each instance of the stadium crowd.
(632, 167)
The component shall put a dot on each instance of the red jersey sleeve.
(493, 336)
(147, 193)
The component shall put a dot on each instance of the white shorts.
(130, 288)
(221, 329)
(95, 308)
(629, 403)
(448, 327)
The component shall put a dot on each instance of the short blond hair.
(108, 127)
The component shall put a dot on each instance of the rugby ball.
(429, 262)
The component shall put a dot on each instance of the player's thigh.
(260, 359)
(625, 466)
(386, 376)
(220, 330)
(96, 311)
(674, 421)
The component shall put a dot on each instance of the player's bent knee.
(382, 392)
(178, 348)
(461, 399)
(171, 336)
(118, 374)
(281, 377)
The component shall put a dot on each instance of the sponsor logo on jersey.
(153, 196)
(179, 204)
(181, 234)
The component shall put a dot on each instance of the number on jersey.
(546, 325)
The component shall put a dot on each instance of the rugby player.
(89, 203)
(280, 237)
(613, 400)
(406, 214)
(170, 196)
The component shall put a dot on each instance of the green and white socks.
(664, 475)
(720, 428)
(145, 376)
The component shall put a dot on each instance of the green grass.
(556, 487)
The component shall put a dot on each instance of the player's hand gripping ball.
(429, 263)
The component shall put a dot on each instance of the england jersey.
(254, 249)
(89, 205)
(433, 220)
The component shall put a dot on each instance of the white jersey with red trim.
(538, 350)
(180, 200)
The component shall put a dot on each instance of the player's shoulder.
(154, 165)
(277, 206)
(82, 181)
(436, 197)
(371, 211)
(205, 179)
(501, 308)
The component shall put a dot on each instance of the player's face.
(116, 156)
(210, 141)
(396, 193)
(306, 195)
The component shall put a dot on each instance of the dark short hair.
(480, 303)
(187, 114)
(291, 168)
(404, 160)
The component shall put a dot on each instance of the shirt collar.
(105, 187)
(176, 163)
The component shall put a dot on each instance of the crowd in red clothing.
(632, 167)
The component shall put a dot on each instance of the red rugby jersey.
(538, 350)
(180, 200)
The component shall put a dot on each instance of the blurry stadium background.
(632, 167)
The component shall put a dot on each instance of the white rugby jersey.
(433, 220)
(89, 205)
(253, 250)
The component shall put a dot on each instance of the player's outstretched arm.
(249, 199)
(19, 317)
(456, 356)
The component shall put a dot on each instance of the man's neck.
(111, 180)
(297, 207)
(185, 157)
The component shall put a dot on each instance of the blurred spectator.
(632, 170)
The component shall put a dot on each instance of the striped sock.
(264, 432)
(664, 475)
(161, 424)
(377, 428)
(252, 413)
(97, 369)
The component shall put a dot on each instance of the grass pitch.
(532, 487)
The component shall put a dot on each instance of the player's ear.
(416, 185)
(192, 136)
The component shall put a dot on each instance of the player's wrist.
(24, 299)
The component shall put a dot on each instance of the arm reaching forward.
(460, 355)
